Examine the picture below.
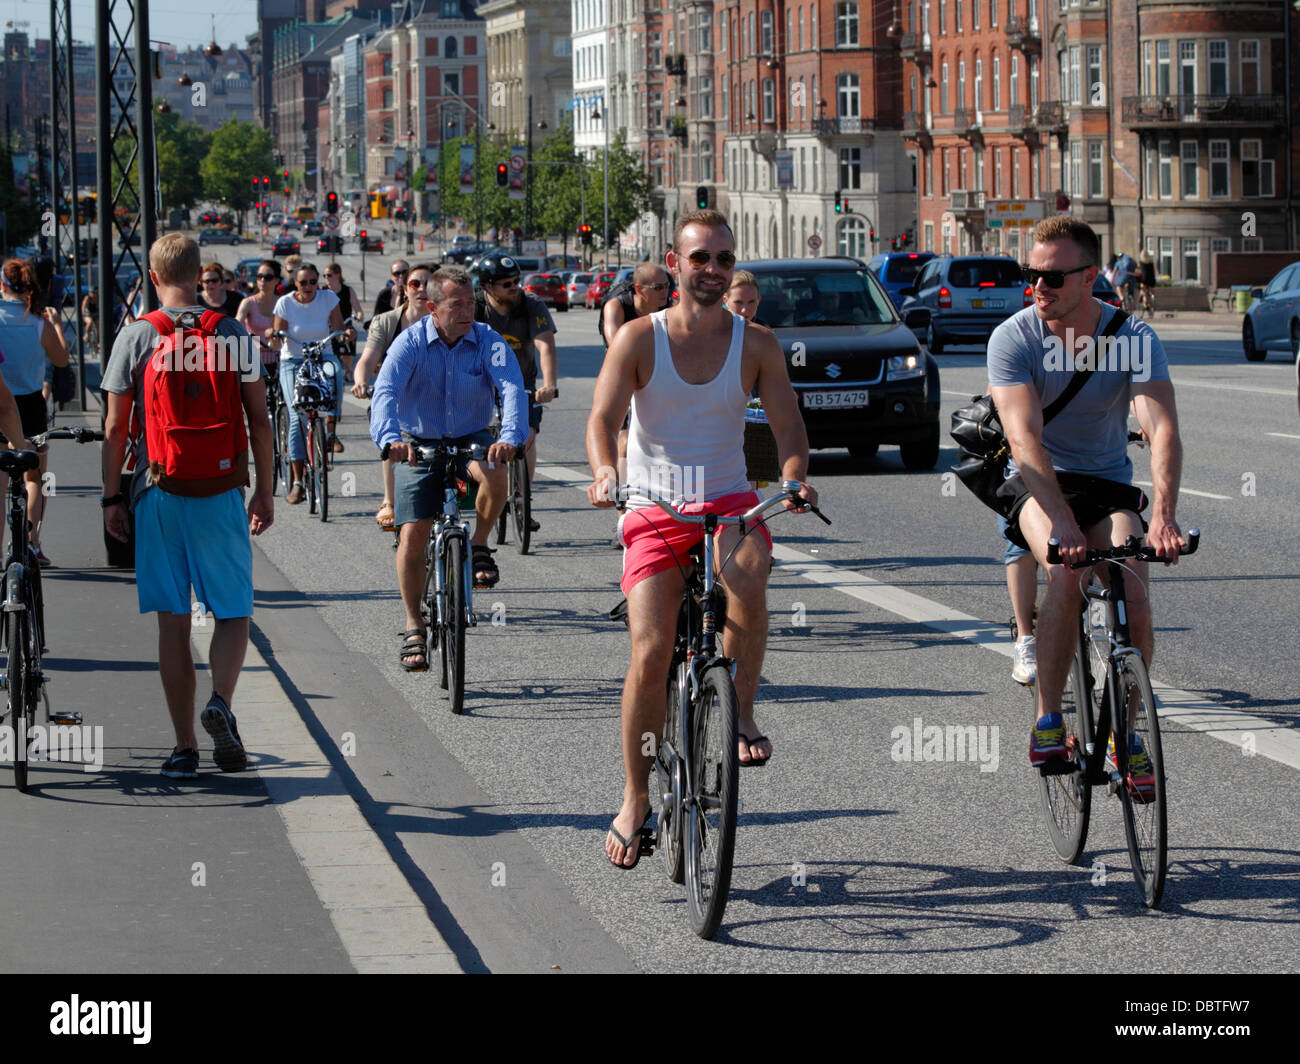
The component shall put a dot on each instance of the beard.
(704, 296)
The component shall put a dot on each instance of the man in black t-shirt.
(525, 323)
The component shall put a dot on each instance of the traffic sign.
(814, 241)
(331, 221)
(517, 163)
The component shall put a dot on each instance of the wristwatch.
(112, 500)
(383, 452)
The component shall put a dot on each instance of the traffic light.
(872, 234)
(839, 201)
(702, 197)
(286, 177)
(257, 183)
(584, 233)
(503, 175)
(361, 237)
(331, 203)
(893, 243)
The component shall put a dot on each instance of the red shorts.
(643, 532)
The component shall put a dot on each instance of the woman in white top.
(384, 329)
(307, 314)
(30, 338)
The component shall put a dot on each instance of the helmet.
(496, 266)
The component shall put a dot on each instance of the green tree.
(182, 147)
(629, 188)
(22, 216)
(558, 189)
(239, 152)
(488, 201)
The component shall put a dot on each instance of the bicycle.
(696, 763)
(22, 622)
(314, 390)
(447, 606)
(519, 499)
(274, 401)
(1148, 302)
(1108, 672)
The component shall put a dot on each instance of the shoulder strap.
(1081, 376)
(160, 321)
(209, 321)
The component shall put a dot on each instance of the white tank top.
(687, 440)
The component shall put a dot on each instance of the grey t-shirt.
(384, 329)
(124, 374)
(518, 328)
(1091, 434)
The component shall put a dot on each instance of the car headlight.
(902, 367)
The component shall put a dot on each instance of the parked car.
(217, 236)
(897, 270)
(466, 254)
(285, 245)
(1273, 321)
(331, 243)
(1105, 291)
(548, 288)
(968, 297)
(578, 288)
(313, 227)
(245, 269)
(370, 242)
(861, 378)
(209, 218)
(597, 288)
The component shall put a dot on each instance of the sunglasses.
(506, 284)
(267, 277)
(400, 273)
(308, 284)
(416, 284)
(700, 259)
(212, 280)
(1051, 278)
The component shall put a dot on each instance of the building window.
(449, 48)
(1187, 68)
(800, 25)
(1165, 257)
(997, 172)
(706, 159)
(1075, 187)
(853, 237)
(928, 164)
(1096, 171)
(1188, 159)
(1015, 173)
(997, 83)
(749, 35)
(769, 100)
(1076, 87)
(1256, 172)
(1252, 243)
(956, 21)
(961, 85)
(1166, 169)
(851, 168)
(1096, 89)
(975, 14)
(704, 101)
(767, 34)
(979, 85)
(943, 18)
(1013, 84)
(846, 25)
(1164, 84)
(1249, 52)
(1219, 185)
(928, 231)
(1191, 259)
(943, 89)
(1151, 174)
(1219, 245)
(388, 98)
(1033, 83)
(947, 173)
(993, 13)
(846, 86)
(1218, 51)
(722, 33)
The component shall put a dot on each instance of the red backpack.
(193, 409)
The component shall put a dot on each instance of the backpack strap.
(1081, 376)
(211, 318)
(160, 321)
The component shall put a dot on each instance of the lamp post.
(478, 144)
(603, 119)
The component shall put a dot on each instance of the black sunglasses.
(1051, 278)
(700, 259)
(267, 277)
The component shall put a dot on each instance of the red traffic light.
(363, 236)
(266, 181)
(332, 203)
(503, 175)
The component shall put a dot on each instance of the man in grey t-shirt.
(1032, 357)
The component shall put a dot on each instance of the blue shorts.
(182, 542)
(418, 492)
(1013, 552)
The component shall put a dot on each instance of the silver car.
(217, 236)
(578, 288)
(1273, 321)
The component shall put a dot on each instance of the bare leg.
(411, 570)
(1022, 586)
(745, 636)
(176, 666)
(229, 644)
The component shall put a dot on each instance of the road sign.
(1011, 213)
(331, 221)
(517, 163)
(814, 241)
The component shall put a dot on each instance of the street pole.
(528, 177)
(606, 229)
(478, 177)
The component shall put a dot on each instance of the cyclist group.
(682, 377)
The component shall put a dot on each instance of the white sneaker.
(1025, 668)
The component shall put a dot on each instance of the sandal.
(533, 526)
(385, 517)
(753, 762)
(645, 847)
(486, 573)
(414, 650)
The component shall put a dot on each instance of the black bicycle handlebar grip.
(1193, 541)
(1053, 552)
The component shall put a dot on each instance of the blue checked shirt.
(430, 392)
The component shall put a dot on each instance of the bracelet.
(112, 500)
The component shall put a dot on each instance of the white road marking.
(1284, 435)
(1181, 383)
(1186, 491)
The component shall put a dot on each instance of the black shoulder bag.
(983, 446)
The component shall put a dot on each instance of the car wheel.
(234, 241)
(202, 243)
(921, 454)
(932, 340)
(1253, 353)
(863, 450)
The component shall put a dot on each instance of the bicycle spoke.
(711, 825)
(1066, 797)
(1142, 781)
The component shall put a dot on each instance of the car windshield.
(904, 269)
(582, 278)
(972, 273)
(821, 297)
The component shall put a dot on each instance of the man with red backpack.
(179, 385)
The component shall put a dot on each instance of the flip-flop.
(410, 646)
(645, 847)
(753, 762)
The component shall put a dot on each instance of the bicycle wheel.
(668, 773)
(504, 520)
(17, 673)
(711, 815)
(275, 443)
(1066, 796)
(521, 503)
(1142, 797)
(320, 469)
(453, 633)
(282, 438)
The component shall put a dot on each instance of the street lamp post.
(604, 121)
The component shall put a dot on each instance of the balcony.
(677, 127)
(967, 205)
(1020, 123)
(966, 125)
(1023, 34)
(916, 47)
(1049, 116)
(675, 65)
(833, 127)
(1159, 112)
(915, 128)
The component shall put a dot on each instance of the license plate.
(990, 304)
(828, 400)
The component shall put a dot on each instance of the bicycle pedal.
(65, 717)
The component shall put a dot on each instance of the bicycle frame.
(446, 526)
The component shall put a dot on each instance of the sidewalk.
(122, 870)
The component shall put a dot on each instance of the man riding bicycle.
(526, 325)
(1076, 474)
(437, 383)
(687, 372)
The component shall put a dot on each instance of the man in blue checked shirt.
(437, 383)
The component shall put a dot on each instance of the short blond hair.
(175, 259)
(742, 277)
(1075, 230)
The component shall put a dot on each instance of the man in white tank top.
(687, 372)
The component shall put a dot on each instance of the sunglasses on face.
(308, 284)
(400, 273)
(507, 284)
(212, 280)
(700, 259)
(1051, 278)
(266, 277)
(416, 284)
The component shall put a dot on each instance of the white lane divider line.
(1181, 383)
(1186, 491)
(1284, 435)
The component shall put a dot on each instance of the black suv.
(859, 374)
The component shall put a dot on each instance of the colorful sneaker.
(227, 748)
(1046, 740)
(1141, 775)
(181, 765)
(1024, 668)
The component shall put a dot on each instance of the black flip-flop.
(644, 848)
(409, 647)
(753, 762)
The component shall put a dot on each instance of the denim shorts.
(182, 542)
(1014, 552)
(418, 492)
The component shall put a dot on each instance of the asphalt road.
(848, 858)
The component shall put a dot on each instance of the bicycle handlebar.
(77, 432)
(669, 506)
(1132, 549)
(432, 453)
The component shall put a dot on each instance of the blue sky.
(169, 20)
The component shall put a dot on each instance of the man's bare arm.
(612, 314)
(1157, 413)
(623, 371)
(779, 403)
(549, 363)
